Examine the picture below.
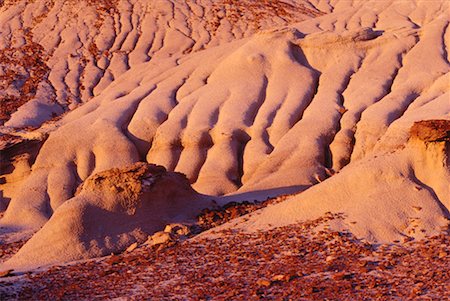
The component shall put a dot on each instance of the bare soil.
(287, 263)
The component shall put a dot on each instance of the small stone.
(363, 263)
(417, 289)
(442, 254)
(338, 276)
(158, 238)
(263, 282)
(417, 208)
(408, 239)
(114, 259)
(178, 229)
(342, 276)
(132, 247)
(330, 258)
(342, 110)
(6, 273)
(315, 289)
(279, 278)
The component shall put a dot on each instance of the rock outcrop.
(396, 196)
(431, 130)
(111, 210)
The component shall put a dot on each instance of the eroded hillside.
(248, 99)
(57, 55)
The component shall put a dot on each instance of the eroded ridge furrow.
(229, 137)
(285, 103)
(298, 99)
(251, 147)
(255, 114)
(328, 154)
(156, 111)
(414, 77)
(137, 53)
(197, 116)
(88, 151)
(439, 88)
(370, 84)
(446, 43)
(128, 43)
(167, 146)
(305, 144)
(197, 138)
(106, 38)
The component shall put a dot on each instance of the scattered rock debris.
(25, 68)
(254, 13)
(293, 262)
(7, 250)
(210, 218)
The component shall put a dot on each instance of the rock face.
(431, 130)
(110, 211)
(17, 155)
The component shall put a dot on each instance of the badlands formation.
(120, 117)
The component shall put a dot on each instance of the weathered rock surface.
(111, 210)
(431, 130)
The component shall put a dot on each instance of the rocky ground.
(297, 262)
(9, 249)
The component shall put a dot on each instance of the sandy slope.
(245, 112)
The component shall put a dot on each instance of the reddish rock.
(431, 130)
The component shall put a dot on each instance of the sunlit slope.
(279, 110)
(56, 55)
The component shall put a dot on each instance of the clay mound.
(328, 101)
(280, 109)
(400, 196)
(111, 210)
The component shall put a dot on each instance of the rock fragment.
(431, 130)
(6, 273)
(132, 247)
(263, 282)
(159, 238)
